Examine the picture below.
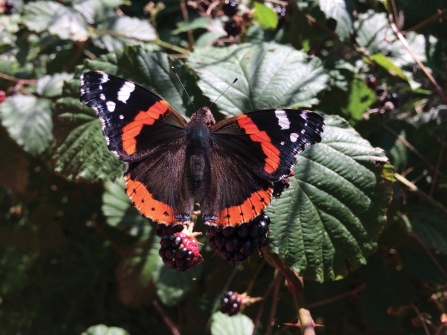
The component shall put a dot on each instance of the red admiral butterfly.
(231, 168)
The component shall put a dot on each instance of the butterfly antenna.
(234, 81)
(175, 72)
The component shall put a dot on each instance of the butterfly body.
(231, 168)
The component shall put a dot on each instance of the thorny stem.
(275, 299)
(307, 324)
(186, 19)
(277, 278)
(434, 17)
(336, 298)
(171, 326)
(421, 318)
(18, 80)
(416, 59)
(412, 187)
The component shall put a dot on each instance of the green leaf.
(265, 16)
(105, 330)
(360, 98)
(28, 121)
(51, 86)
(340, 11)
(135, 273)
(172, 286)
(119, 211)
(82, 153)
(430, 226)
(124, 31)
(96, 11)
(55, 18)
(197, 23)
(270, 76)
(238, 324)
(387, 64)
(9, 25)
(335, 206)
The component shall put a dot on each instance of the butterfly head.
(204, 114)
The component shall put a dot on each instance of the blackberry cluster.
(235, 244)
(179, 251)
(281, 12)
(230, 7)
(386, 100)
(231, 303)
(163, 229)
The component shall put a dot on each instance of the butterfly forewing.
(135, 121)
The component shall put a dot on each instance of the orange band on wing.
(272, 161)
(245, 212)
(143, 200)
(131, 130)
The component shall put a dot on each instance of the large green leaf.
(55, 18)
(430, 227)
(340, 11)
(51, 86)
(82, 153)
(265, 16)
(119, 211)
(122, 31)
(172, 285)
(239, 324)
(28, 121)
(360, 98)
(270, 75)
(335, 206)
(96, 11)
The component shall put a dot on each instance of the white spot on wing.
(110, 106)
(125, 90)
(121, 117)
(302, 131)
(104, 78)
(116, 154)
(283, 120)
(304, 116)
(282, 142)
(102, 97)
(294, 137)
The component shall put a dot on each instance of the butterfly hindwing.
(135, 121)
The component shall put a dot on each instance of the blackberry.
(179, 251)
(230, 7)
(2, 96)
(163, 229)
(8, 7)
(371, 81)
(231, 303)
(281, 12)
(235, 244)
(232, 28)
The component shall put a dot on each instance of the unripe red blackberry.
(179, 251)
(2, 96)
(230, 7)
(235, 244)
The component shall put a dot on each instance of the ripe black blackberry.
(230, 7)
(231, 303)
(179, 251)
(163, 229)
(232, 27)
(235, 244)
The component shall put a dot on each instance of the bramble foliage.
(362, 223)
